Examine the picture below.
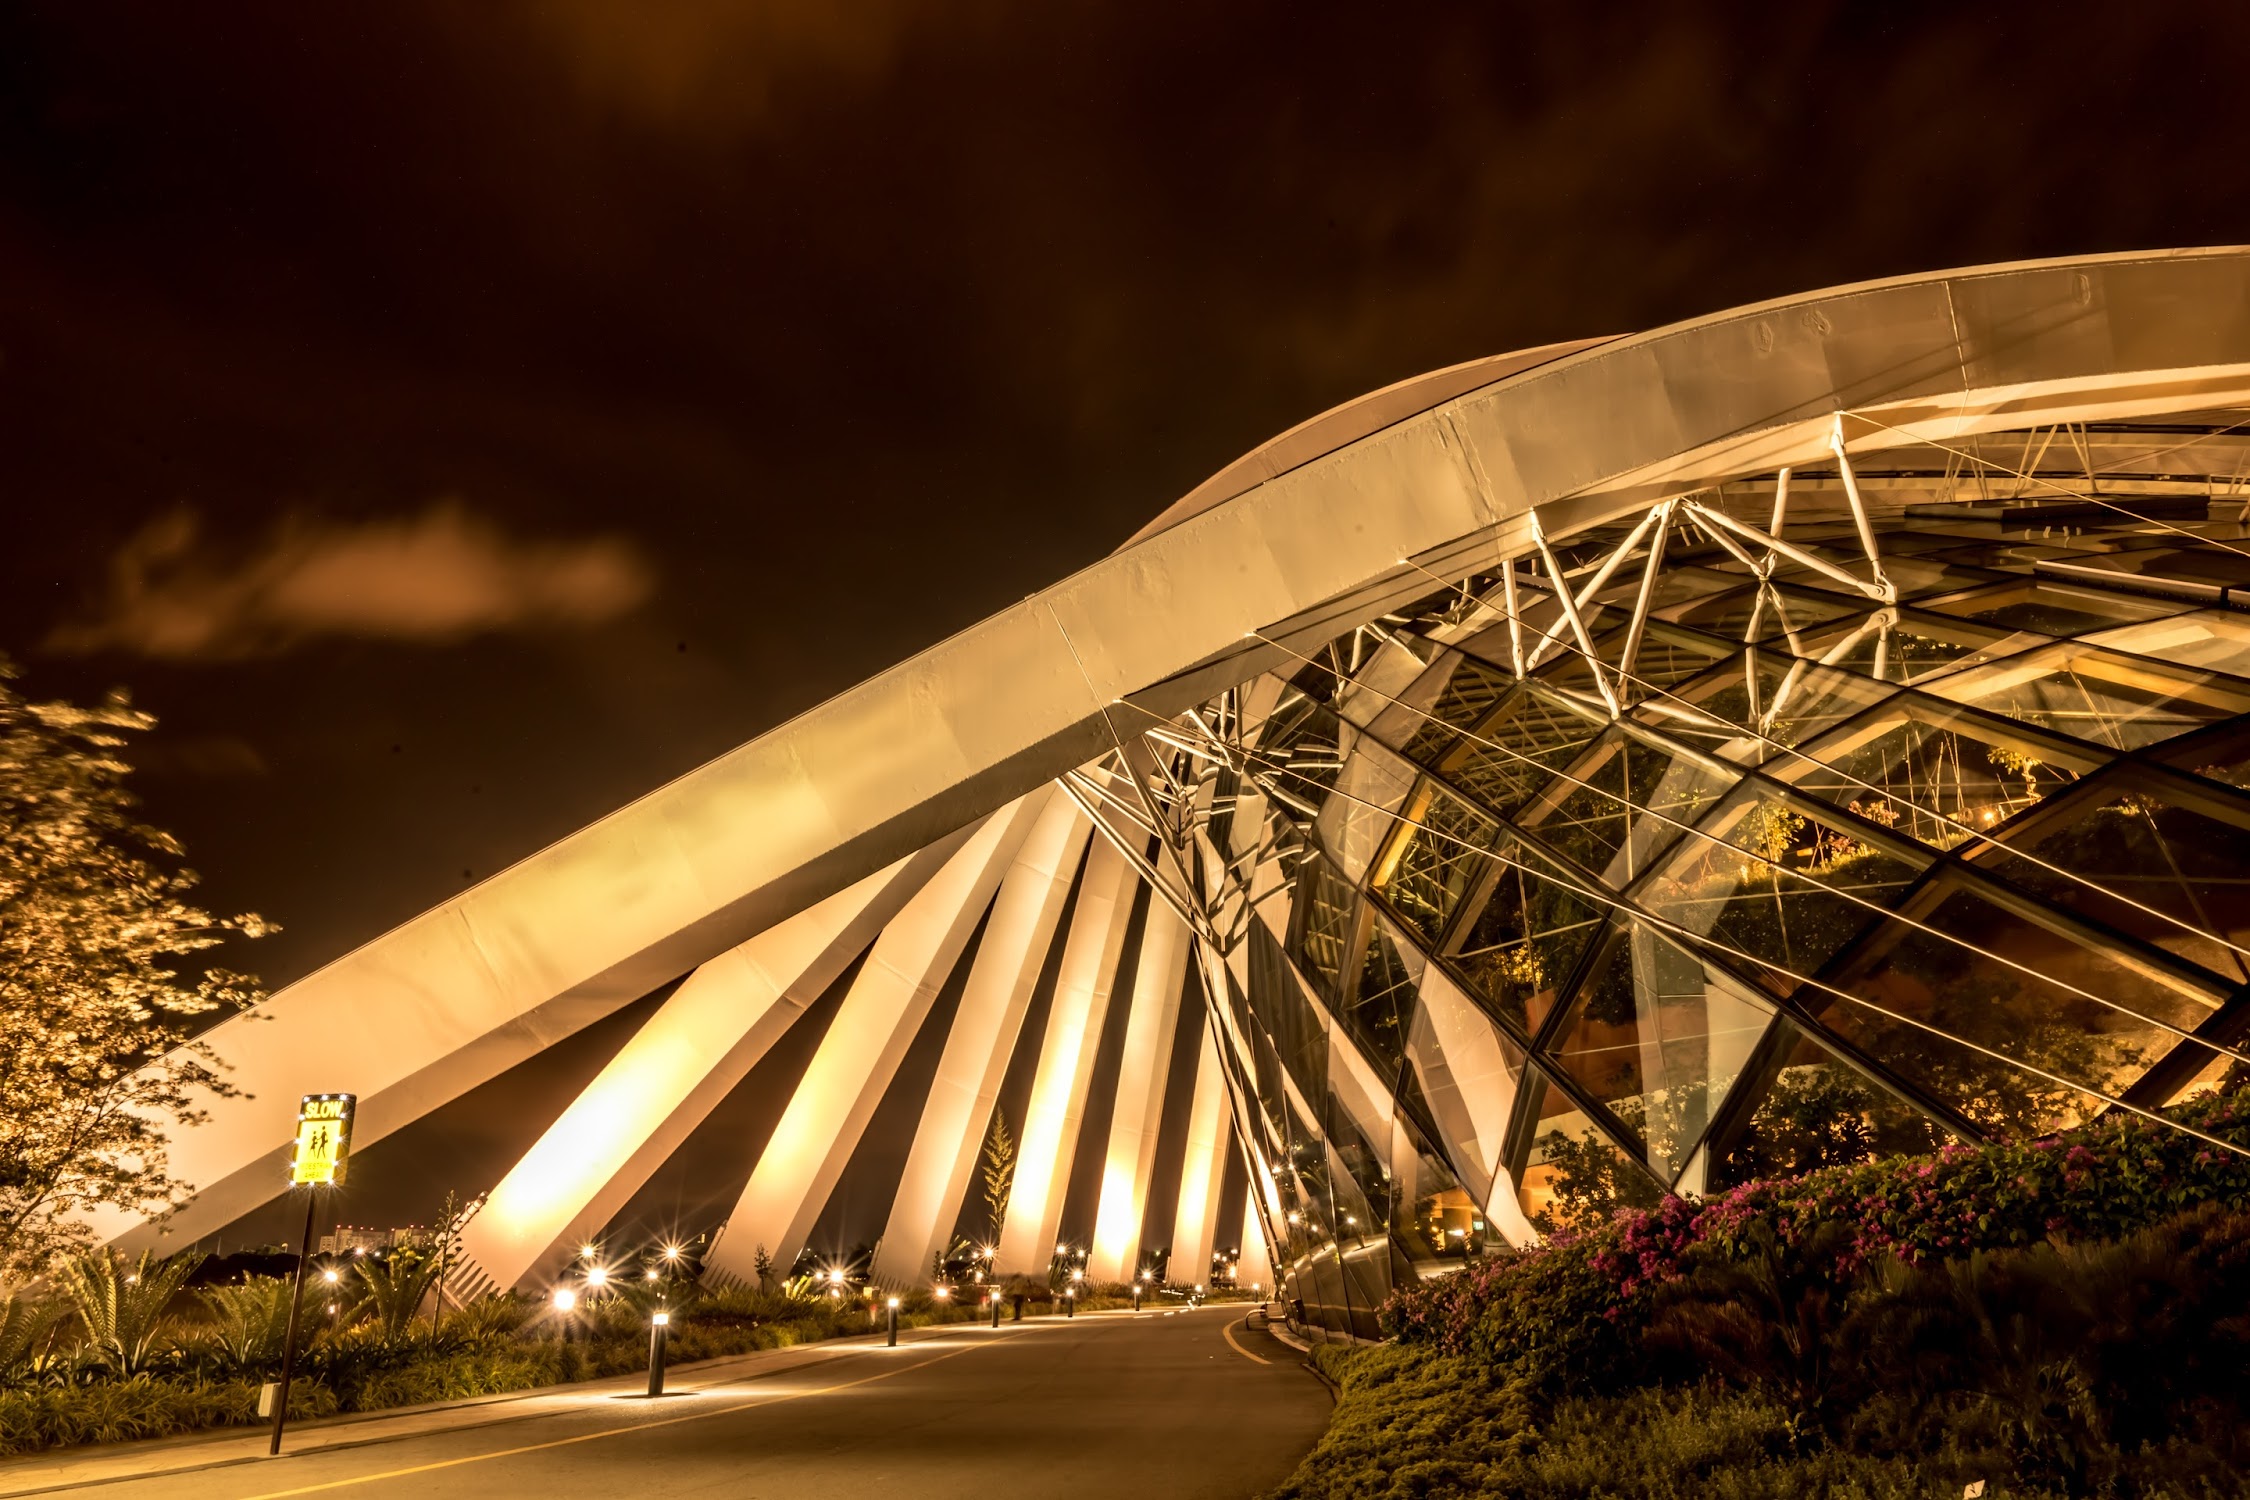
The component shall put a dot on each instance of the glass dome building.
(1625, 767)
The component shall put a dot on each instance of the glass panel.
(1911, 575)
(1659, 1038)
(1762, 614)
(1785, 700)
(1377, 1017)
(1817, 1111)
(1937, 776)
(1776, 885)
(1941, 979)
(1529, 738)
(1469, 690)
(1915, 648)
(1526, 938)
(2052, 608)
(1281, 1009)
(1435, 1222)
(1575, 1176)
(1358, 814)
(1434, 858)
(1326, 937)
(1468, 1072)
(2152, 852)
(2216, 639)
(2104, 699)
(2223, 755)
(1621, 805)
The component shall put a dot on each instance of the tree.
(999, 1172)
(98, 1061)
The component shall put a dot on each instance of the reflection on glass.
(2100, 697)
(1614, 810)
(1434, 858)
(1525, 939)
(1511, 755)
(2213, 639)
(1776, 885)
(2067, 1017)
(1468, 1072)
(2052, 608)
(1369, 790)
(2134, 853)
(1463, 691)
(1575, 1176)
(1658, 1039)
(1327, 924)
(1816, 1112)
(1763, 704)
(1936, 776)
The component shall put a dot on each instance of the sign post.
(324, 1143)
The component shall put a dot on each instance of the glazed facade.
(1758, 866)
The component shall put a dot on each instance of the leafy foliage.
(125, 1305)
(96, 1061)
(999, 1170)
(247, 1320)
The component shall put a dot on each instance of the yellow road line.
(588, 1437)
(1228, 1330)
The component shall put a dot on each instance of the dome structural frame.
(935, 823)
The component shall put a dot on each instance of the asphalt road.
(1141, 1406)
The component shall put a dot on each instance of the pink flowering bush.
(1568, 1314)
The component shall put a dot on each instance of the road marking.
(1228, 1330)
(588, 1437)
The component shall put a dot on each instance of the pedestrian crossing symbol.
(324, 1139)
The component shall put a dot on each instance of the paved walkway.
(1155, 1403)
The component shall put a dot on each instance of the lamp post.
(892, 1308)
(995, 1299)
(658, 1322)
(1070, 1303)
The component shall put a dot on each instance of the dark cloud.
(433, 579)
(856, 322)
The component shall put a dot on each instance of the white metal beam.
(673, 1071)
(949, 1138)
(1057, 1107)
(1137, 1114)
(862, 1049)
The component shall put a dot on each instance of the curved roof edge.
(1341, 426)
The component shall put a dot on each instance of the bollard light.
(892, 1306)
(565, 1299)
(651, 1276)
(658, 1321)
(943, 1293)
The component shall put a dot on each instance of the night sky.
(454, 420)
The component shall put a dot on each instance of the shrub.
(247, 1321)
(125, 1306)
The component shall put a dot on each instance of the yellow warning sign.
(324, 1139)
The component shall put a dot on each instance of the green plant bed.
(210, 1376)
(140, 1406)
(2067, 1317)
